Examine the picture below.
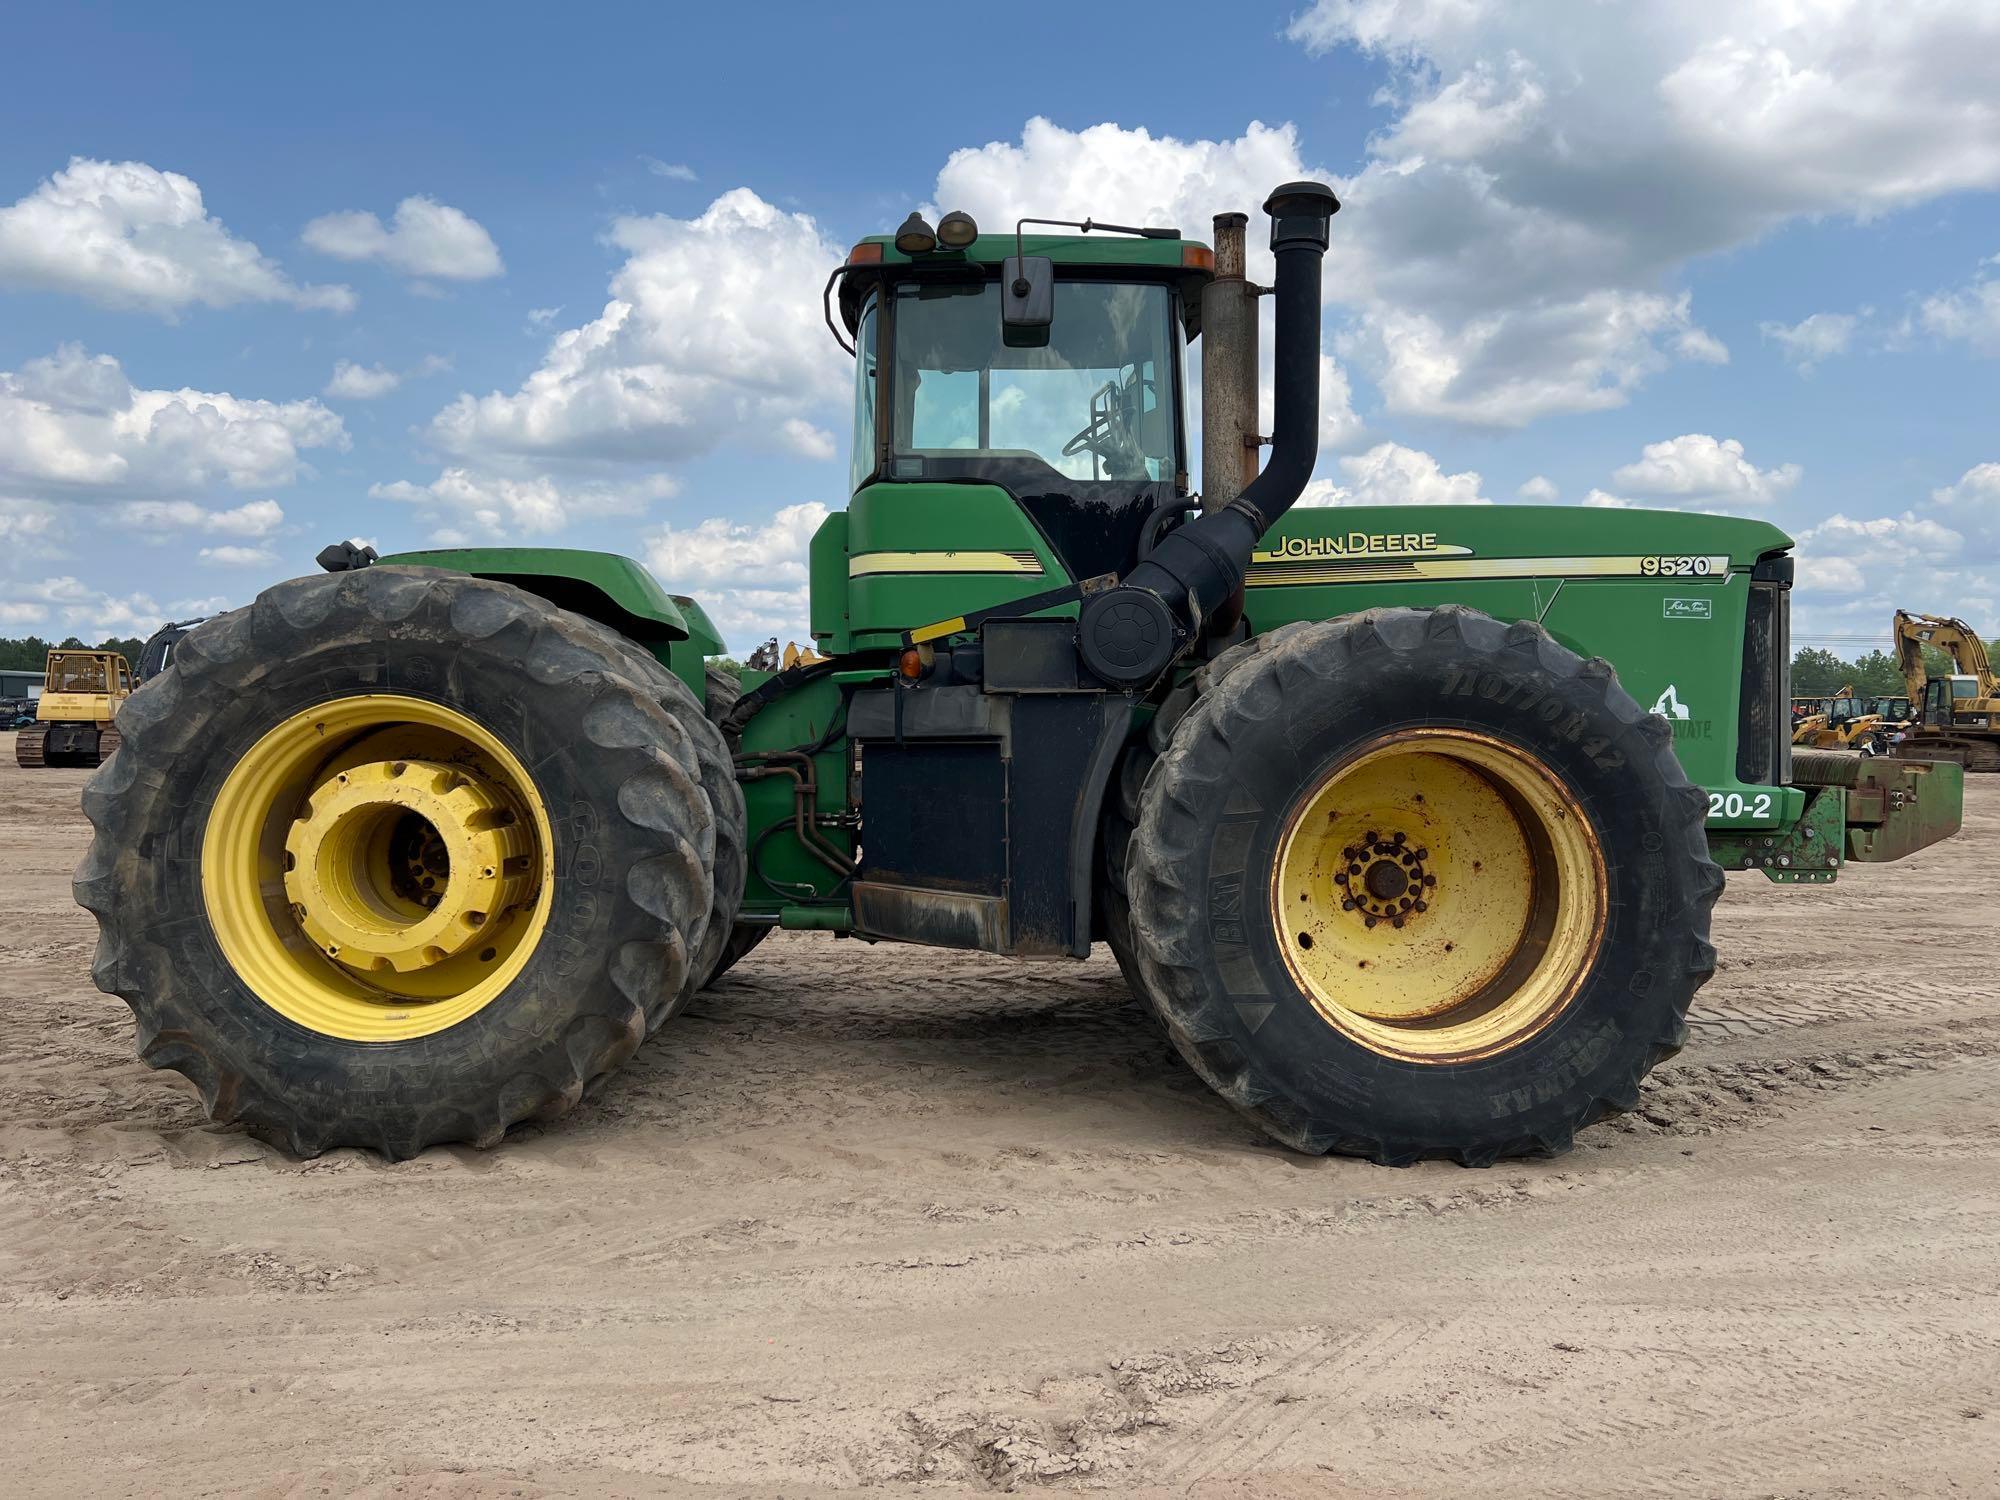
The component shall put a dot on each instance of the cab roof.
(1189, 263)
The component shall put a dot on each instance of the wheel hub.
(1438, 895)
(1385, 879)
(405, 864)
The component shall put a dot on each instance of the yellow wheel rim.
(378, 868)
(1439, 896)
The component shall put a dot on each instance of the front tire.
(1414, 883)
(395, 857)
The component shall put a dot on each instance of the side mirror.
(1027, 300)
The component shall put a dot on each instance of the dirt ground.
(885, 1221)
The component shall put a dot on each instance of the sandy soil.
(887, 1221)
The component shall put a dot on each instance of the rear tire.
(718, 779)
(1598, 941)
(395, 666)
(724, 689)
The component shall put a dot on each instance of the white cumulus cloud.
(128, 235)
(713, 333)
(352, 382)
(1550, 168)
(235, 556)
(357, 382)
(72, 424)
(426, 238)
(1696, 468)
(1969, 314)
(503, 505)
(65, 605)
(1391, 474)
(749, 575)
(1941, 556)
(1812, 339)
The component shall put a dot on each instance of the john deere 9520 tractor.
(1406, 823)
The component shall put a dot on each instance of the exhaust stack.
(1130, 634)
(1229, 435)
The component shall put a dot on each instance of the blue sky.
(1742, 257)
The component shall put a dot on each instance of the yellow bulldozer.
(1958, 714)
(81, 692)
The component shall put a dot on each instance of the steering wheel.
(1109, 435)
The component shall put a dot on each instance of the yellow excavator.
(1958, 713)
(73, 724)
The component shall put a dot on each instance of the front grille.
(1763, 717)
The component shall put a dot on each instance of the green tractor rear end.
(1406, 823)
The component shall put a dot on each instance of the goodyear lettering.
(1530, 697)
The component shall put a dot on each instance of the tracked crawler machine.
(75, 718)
(1406, 823)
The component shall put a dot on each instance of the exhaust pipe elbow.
(1299, 212)
(1128, 635)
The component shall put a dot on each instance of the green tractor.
(1405, 823)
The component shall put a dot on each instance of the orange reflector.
(911, 663)
(1198, 257)
(865, 255)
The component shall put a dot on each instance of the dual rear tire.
(396, 856)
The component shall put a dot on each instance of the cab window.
(1094, 404)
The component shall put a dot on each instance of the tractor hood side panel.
(1665, 597)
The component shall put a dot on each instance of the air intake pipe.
(1130, 634)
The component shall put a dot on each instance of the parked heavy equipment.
(1870, 726)
(1810, 715)
(81, 692)
(1368, 803)
(1958, 717)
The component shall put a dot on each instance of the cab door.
(1937, 703)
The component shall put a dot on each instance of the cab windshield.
(1094, 405)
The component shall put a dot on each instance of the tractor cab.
(1074, 414)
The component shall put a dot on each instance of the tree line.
(1817, 672)
(31, 653)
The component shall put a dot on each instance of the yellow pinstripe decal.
(1270, 570)
(1019, 564)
